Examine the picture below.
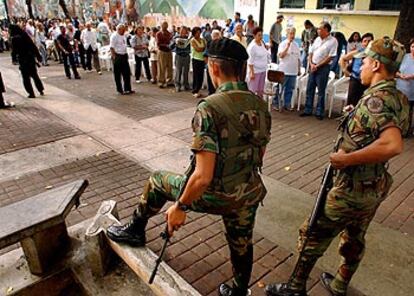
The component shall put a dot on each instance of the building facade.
(379, 17)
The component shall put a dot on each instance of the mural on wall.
(149, 12)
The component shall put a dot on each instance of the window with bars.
(334, 4)
(292, 4)
(385, 5)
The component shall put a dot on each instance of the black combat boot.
(226, 290)
(326, 279)
(132, 233)
(283, 290)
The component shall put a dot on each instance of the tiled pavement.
(299, 148)
(198, 251)
(29, 126)
(299, 151)
(149, 100)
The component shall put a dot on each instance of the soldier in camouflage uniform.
(230, 131)
(371, 135)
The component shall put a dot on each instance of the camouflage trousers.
(165, 186)
(348, 211)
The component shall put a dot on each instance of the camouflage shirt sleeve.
(373, 115)
(205, 136)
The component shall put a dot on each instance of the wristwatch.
(182, 207)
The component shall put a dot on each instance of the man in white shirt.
(239, 35)
(89, 41)
(321, 54)
(289, 63)
(118, 45)
(54, 34)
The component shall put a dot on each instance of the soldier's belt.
(366, 173)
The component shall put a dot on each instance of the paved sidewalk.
(137, 142)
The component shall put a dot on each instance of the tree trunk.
(62, 4)
(29, 8)
(405, 26)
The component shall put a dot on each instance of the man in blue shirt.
(237, 20)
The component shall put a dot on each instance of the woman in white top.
(354, 42)
(153, 49)
(258, 60)
(289, 63)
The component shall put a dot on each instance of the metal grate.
(385, 5)
(292, 4)
(333, 4)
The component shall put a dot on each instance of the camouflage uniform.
(358, 191)
(236, 189)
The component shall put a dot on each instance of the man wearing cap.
(276, 37)
(230, 131)
(371, 134)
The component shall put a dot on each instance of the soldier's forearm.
(388, 145)
(194, 189)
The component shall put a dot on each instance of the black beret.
(227, 49)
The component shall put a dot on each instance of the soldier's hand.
(175, 218)
(339, 159)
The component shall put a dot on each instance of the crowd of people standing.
(76, 44)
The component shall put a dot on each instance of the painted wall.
(345, 23)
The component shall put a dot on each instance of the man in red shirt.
(164, 39)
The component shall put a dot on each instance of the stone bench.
(101, 251)
(38, 223)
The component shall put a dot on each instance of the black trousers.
(210, 85)
(355, 91)
(410, 119)
(121, 69)
(30, 71)
(2, 90)
(274, 49)
(69, 62)
(198, 75)
(138, 66)
(82, 53)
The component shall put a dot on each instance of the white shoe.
(99, 72)
(138, 81)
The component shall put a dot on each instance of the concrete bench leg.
(44, 248)
(100, 254)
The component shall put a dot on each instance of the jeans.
(288, 85)
(318, 79)
(69, 62)
(182, 68)
(43, 53)
(304, 59)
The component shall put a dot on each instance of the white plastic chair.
(269, 87)
(105, 58)
(296, 88)
(131, 60)
(302, 83)
(338, 93)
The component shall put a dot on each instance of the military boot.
(132, 233)
(226, 290)
(283, 290)
(326, 279)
